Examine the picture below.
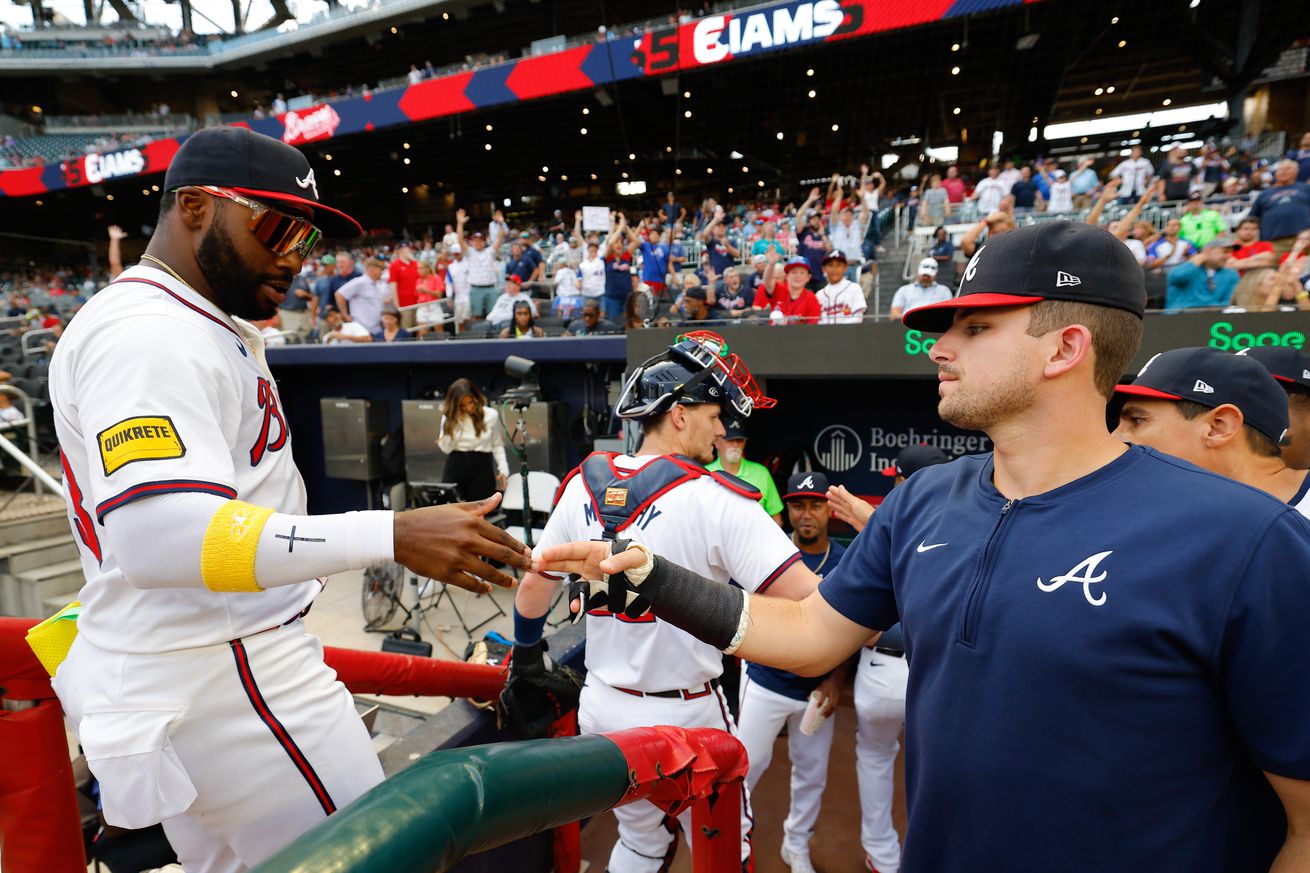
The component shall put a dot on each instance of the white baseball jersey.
(156, 391)
(842, 303)
(700, 525)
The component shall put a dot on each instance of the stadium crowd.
(1214, 229)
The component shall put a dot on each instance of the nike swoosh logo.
(926, 548)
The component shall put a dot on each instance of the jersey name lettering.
(649, 514)
(264, 442)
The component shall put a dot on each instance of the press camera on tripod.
(528, 390)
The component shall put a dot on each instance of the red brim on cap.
(787, 269)
(334, 223)
(818, 494)
(1284, 379)
(890, 471)
(937, 317)
(1144, 391)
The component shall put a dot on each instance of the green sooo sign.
(1223, 336)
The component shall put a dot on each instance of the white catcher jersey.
(1301, 500)
(156, 391)
(700, 525)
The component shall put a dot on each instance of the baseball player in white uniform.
(841, 299)
(772, 699)
(195, 692)
(881, 677)
(642, 671)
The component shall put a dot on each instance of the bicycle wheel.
(380, 593)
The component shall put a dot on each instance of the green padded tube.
(455, 802)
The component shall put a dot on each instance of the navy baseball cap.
(258, 167)
(734, 428)
(835, 255)
(1213, 378)
(807, 485)
(915, 458)
(1286, 364)
(1054, 260)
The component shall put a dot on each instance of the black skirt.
(473, 472)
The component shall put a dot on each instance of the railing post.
(716, 830)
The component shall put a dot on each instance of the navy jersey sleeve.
(860, 587)
(1263, 658)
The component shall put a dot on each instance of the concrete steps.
(39, 566)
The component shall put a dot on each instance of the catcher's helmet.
(697, 368)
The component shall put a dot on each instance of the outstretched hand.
(849, 508)
(590, 559)
(448, 543)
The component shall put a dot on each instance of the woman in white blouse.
(470, 437)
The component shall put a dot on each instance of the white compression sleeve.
(159, 542)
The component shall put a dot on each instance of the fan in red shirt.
(790, 300)
(403, 273)
(1251, 253)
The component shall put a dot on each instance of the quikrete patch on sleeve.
(145, 438)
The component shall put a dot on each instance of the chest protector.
(620, 497)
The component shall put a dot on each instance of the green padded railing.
(455, 802)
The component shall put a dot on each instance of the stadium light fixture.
(625, 175)
(835, 128)
(1027, 41)
(813, 94)
(109, 196)
(955, 111)
(404, 190)
(405, 145)
(336, 172)
(506, 202)
(586, 111)
(1098, 92)
(668, 150)
(1032, 133)
(1114, 20)
(1098, 110)
(709, 171)
(145, 192)
(1194, 4)
(563, 178)
(1122, 43)
(760, 183)
(632, 157)
(394, 31)
(735, 155)
(745, 169)
(37, 109)
(955, 71)
(1110, 90)
(40, 203)
(407, 162)
(487, 146)
(1181, 115)
(583, 131)
(809, 72)
(780, 134)
(541, 178)
(686, 95)
(955, 46)
(1166, 102)
(687, 114)
(678, 171)
(593, 177)
(490, 128)
(235, 94)
(545, 169)
(729, 189)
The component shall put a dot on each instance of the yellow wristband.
(227, 558)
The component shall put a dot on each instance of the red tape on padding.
(390, 673)
(672, 767)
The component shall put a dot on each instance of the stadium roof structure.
(764, 98)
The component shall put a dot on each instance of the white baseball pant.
(880, 684)
(647, 837)
(761, 716)
(237, 748)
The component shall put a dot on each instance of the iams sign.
(719, 37)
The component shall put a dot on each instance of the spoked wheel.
(380, 593)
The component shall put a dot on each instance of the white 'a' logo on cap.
(1305, 374)
(970, 270)
(807, 482)
(1201, 388)
(1149, 363)
(308, 182)
(1062, 278)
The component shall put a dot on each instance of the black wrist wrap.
(706, 609)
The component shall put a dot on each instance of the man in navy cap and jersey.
(1106, 644)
